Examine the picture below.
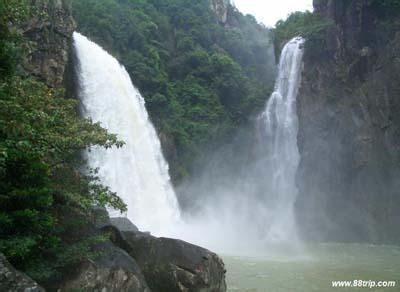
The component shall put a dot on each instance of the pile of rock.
(132, 261)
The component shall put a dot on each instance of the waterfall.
(137, 172)
(246, 206)
(281, 126)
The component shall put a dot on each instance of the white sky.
(270, 11)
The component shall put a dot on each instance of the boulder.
(113, 271)
(137, 261)
(172, 265)
(123, 224)
(100, 218)
(12, 280)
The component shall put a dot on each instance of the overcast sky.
(270, 11)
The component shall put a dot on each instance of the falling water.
(137, 172)
(249, 208)
(281, 127)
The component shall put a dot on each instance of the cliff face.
(50, 33)
(349, 131)
(220, 8)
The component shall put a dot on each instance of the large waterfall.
(137, 172)
(281, 127)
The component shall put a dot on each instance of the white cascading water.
(281, 126)
(137, 172)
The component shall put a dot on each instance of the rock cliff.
(220, 8)
(50, 34)
(349, 127)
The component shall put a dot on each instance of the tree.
(41, 138)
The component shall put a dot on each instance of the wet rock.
(123, 224)
(113, 271)
(50, 33)
(172, 265)
(349, 130)
(12, 280)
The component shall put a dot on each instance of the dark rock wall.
(354, 38)
(50, 33)
(169, 264)
(349, 132)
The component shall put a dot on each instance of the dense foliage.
(201, 79)
(41, 136)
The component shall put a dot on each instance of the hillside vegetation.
(41, 136)
(201, 79)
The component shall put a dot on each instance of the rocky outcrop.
(349, 129)
(136, 261)
(113, 271)
(123, 224)
(220, 8)
(50, 33)
(172, 265)
(355, 38)
(12, 280)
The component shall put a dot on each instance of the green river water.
(314, 268)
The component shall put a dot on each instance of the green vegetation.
(201, 79)
(305, 24)
(41, 136)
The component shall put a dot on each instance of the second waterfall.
(137, 172)
(282, 159)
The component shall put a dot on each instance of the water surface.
(314, 269)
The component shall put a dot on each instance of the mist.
(244, 197)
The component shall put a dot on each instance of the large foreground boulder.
(128, 261)
(172, 265)
(12, 280)
(113, 271)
